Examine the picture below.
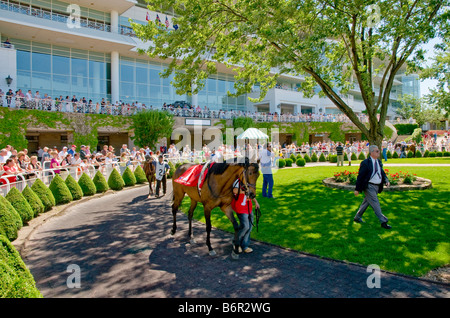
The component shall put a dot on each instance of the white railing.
(46, 175)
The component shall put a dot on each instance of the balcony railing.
(52, 15)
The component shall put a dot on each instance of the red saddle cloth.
(191, 176)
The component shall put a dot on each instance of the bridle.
(246, 185)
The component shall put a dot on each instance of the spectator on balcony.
(10, 169)
(83, 152)
(9, 96)
(3, 156)
(45, 156)
(72, 150)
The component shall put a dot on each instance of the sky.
(425, 85)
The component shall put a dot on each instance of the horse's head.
(251, 174)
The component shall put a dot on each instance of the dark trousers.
(267, 183)
(164, 185)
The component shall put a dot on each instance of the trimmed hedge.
(128, 177)
(87, 185)
(361, 156)
(74, 188)
(281, 163)
(314, 157)
(35, 202)
(289, 162)
(16, 280)
(60, 190)
(115, 181)
(322, 158)
(300, 162)
(332, 158)
(21, 205)
(10, 221)
(139, 174)
(100, 182)
(44, 194)
(307, 158)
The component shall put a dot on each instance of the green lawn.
(310, 217)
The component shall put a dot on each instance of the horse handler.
(243, 206)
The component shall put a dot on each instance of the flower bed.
(399, 181)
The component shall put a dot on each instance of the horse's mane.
(220, 168)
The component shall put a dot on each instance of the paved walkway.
(123, 248)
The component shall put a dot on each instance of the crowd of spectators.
(75, 104)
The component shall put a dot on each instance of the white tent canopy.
(252, 133)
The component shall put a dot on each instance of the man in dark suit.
(371, 178)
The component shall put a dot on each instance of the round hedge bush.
(10, 221)
(100, 182)
(21, 205)
(44, 194)
(171, 171)
(289, 162)
(139, 174)
(361, 156)
(128, 177)
(332, 158)
(281, 163)
(300, 162)
(60, 190)
(418, 154)
(314, 157)
(353, 156)
(322, 158)
(16, 280)
(87, 185)
(410, 154)
(426, 153)
(307, 158)
(432, 154)
(395, 155)
(74, 188)
(36, 204)
(115, 181)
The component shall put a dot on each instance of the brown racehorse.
(150, 171)
(216, 192)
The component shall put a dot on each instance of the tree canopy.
(336, 45)
(150, 125)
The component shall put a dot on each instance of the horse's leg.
(190, 214)
(230, 215)
(178, 195)
(208, 230)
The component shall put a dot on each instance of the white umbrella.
(252, 133)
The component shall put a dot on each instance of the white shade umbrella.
(252, 133)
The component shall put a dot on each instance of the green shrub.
(115, 181)
(171, 171)
(332, 158)
(307, 158)
(300, 162)
(314, 157)
(426, 154)
(74, 188)
(389, 154)
(418, 154)
(16, 280)
(353, 156)
(36, 204)
(86, 185)
(128, 177)
(44, 194)
(21, 205)
(345, 156)
(322, 158)
(10, 221)
(60, 190)
(298, 157)
(446, 153)
(439, 154)
(432, 154)
(289, 162)
(139, 174)
(410, 154)
(281, 163)
(293, 157)
(395, 155)
(361, 156)
(100, 182)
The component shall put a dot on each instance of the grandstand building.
(86, 48)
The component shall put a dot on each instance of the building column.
(114, 77)
(114, 21)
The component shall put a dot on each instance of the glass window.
(41, 62)
(61, 82)
(23, 60)
(155, 92)
(141, 90)
(126, 73)
(61, 65)
(23, 80)
(97, 69)
(154, 77)
(141, 75)
(79, 67)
